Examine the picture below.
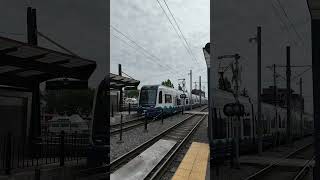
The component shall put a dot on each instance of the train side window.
(168, 98)
(160, 97)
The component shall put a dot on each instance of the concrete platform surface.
(194, 164)
(139, 167)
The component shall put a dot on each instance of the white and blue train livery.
(154, 99)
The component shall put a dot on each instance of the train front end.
(148, 101)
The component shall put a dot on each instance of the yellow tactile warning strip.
(194, 164)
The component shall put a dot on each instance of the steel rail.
(303, 172)
(162, 169)
(129, 127)
(129, 155)
(267, 169)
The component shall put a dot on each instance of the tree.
(167, 83)
(132, 93)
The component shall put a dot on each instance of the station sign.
(183, 96)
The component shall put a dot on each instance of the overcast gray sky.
(78, 25)
(145, 23)
(284, 23)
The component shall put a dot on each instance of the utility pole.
(200, 88)
(183, 89)
(288, 73)
(275, 99)
(315, 30)
(121, 93)
(35, 128)
(32, 26)
(301, 108)
(259, 90)
(190, 89)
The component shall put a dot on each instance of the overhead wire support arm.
(55, 43)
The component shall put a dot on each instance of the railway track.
(128, 125)
(186, 128)
(178, 132)
(275, 171)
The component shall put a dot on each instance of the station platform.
(196, 112)
(139, 167)
(194, 164)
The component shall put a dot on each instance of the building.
(297, 101)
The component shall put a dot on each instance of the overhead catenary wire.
(143, 54)
(282, 21)
(55, 43)
(149, 58)
(184, 38)
(289, 20)
(175, 29)
(143, 50)
(12, 33)
(294, 78)
(302, 40)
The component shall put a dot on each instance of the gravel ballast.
(137, 136)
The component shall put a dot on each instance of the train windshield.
(148, 97)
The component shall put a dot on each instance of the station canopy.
(118, 82)
(23, 65)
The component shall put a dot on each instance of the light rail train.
(274, 119)
(153, 99)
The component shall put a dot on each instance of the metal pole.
(112, 110)
(62, 150)
(120, 140)
(275, 99)
(301, 108)
(316, 95)
(191, 90)
(259, 90)
(288, 73)
(200, 88)
(184, 102)
(32, 26)
(129, 107)
(145, 124)
(121, 93)
(252, 121)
